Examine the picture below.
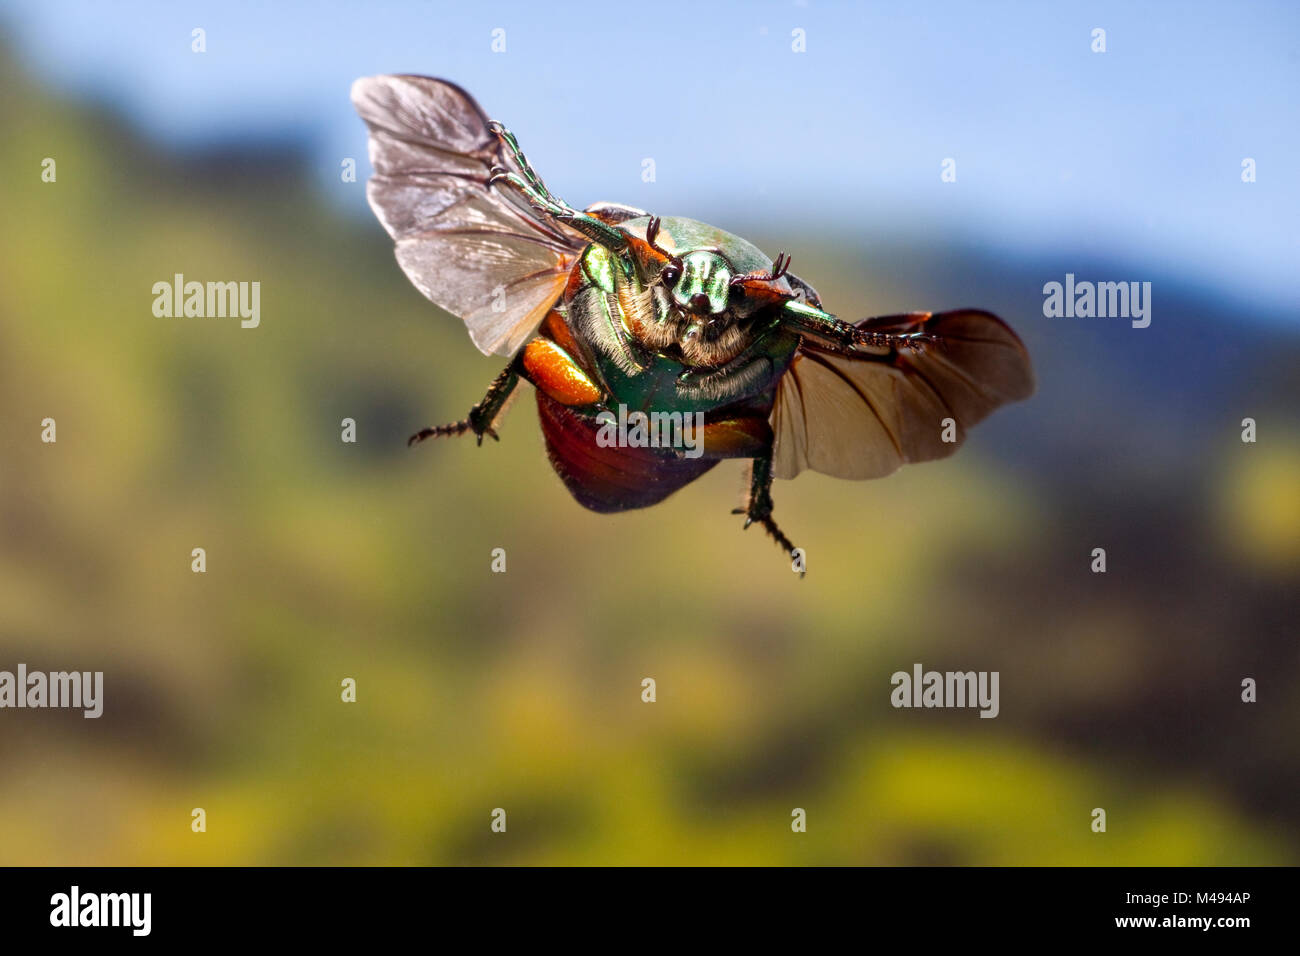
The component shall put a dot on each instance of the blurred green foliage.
(522, 690)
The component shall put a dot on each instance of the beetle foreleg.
(760, 505)
(532, 188)
(508, 140)
(482, 416)
(840, 336)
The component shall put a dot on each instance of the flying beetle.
(609, 307)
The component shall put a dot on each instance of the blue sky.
(1134, 153)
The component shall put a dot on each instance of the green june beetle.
(625, 322)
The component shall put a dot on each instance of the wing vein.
(831, 367)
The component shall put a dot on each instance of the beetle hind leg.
(482, 416)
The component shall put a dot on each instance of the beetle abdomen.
(616, 478)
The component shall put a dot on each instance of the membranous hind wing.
(865, 414)
(481, 253)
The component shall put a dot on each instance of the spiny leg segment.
(544, 363)
(760, 506)
(482, 416)
(842, 337)
(532, 188)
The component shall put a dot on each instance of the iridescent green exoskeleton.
(613, 314)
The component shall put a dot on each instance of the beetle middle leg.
(482, 416)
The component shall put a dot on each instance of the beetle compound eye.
(670, 274)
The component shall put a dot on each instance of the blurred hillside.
(477, 690)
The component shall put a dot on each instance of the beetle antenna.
(779, 268)
(651, 234)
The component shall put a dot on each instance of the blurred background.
(522, 690)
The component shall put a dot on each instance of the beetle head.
(713, 304)
(699, 282)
